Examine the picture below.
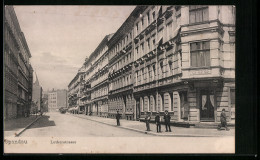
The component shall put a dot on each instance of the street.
(55, 124)
(58, 126)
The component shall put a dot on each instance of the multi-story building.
(57, 99)
(99, 79)
(121, 57)
(185, 62)
(85, 99)
(17, 68)
(37, 96)
(175, 58)
(75, 89)
(95, 81)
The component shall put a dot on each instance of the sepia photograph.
(95, 79)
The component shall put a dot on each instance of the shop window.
(198, 13)
(200, 54)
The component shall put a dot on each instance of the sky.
(60, 37)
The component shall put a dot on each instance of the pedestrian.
(167, 119)
(118, 116)
(158, 122)
(147, 121)
(223, 120)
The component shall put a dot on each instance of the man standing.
(167, 119)
(147, 121)
(118, 116)
(223, 120)
(158, 122)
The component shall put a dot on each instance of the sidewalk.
(14, 127)
(176, 131)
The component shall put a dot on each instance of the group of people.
(158, 121)
(167, 119)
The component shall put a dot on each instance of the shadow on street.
(14, 124)
(43, 122)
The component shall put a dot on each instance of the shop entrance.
(207, 105)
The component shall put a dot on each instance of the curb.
(22, 130)
(151, 133)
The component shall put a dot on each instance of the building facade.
(57, 99)
(98, 79)
(17, 68)
(175, 58)
(75, 89)
(190, 68)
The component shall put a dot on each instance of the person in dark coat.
(147, 121)
(158, 122)
(167, 119)
(223, 120)
(118, 116)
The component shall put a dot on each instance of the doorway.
(207, 103)
(137, 109)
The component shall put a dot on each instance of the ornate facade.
(175, 58)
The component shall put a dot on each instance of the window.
(148, 18)
(154, 73)
(148, 44)
(142, 48)
(136, 78)
(136, 50)
(200, 54)
(153, 15)
(199, 13)
(142, 75)
(142, 22)
(232, 96)
(136, 26)
(169, 31)
(161, 70)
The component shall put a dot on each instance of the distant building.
(57, 99)
(37, 95)
(17, 68)
(75, 89)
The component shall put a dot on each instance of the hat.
(166, 111)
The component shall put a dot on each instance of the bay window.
(200, 54)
